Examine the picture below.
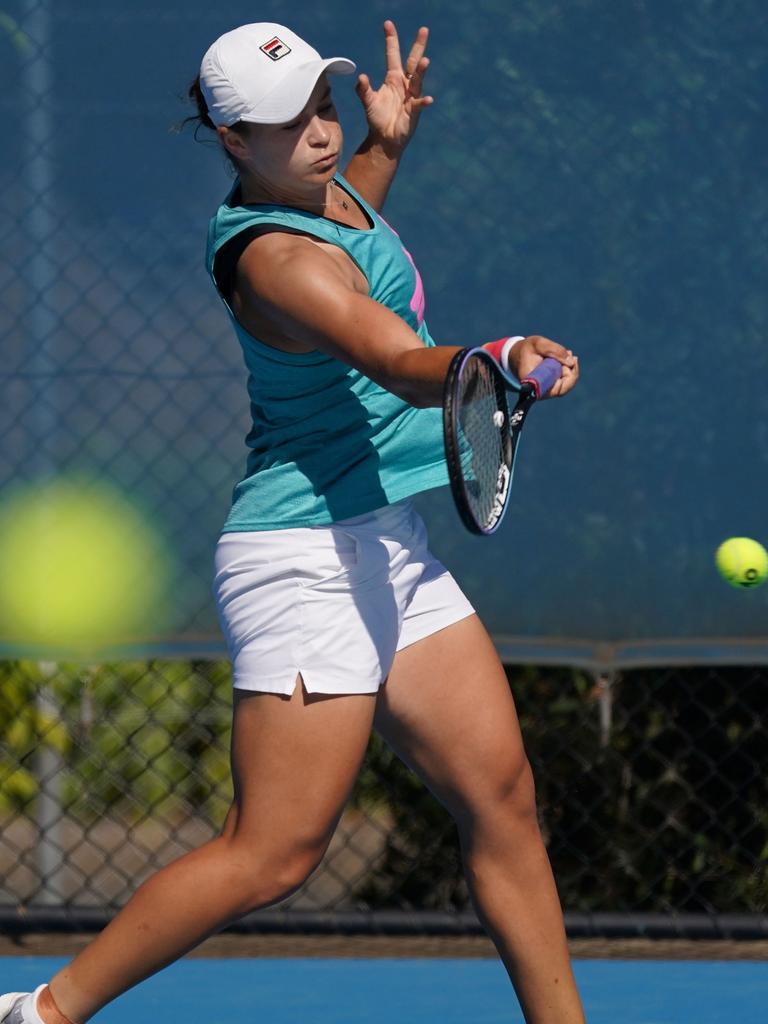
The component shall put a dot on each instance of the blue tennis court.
(451, 991)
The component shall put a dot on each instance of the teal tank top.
(327, 442)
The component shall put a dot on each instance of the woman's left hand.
(393, 110)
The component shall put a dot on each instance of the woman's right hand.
(528, 353)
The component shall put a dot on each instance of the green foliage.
(665, 811)
(667, 815)
(138, 738)
(22, 728)
(421, 866)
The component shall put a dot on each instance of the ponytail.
(202, 119)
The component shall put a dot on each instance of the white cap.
(262, 73)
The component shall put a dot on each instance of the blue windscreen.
(593, 172)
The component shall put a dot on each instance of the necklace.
(344, 202)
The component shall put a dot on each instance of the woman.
(336, 615)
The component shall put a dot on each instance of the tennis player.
(337, 617)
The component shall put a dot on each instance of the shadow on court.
(318, 991)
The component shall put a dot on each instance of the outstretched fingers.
(364, 89)
(392, 47)
(416, 80)
(393, 109)
(416, 63)
(417, 51)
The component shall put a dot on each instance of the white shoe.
(10, 1007)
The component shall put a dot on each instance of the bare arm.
(316, 300)
(372, 170)
(392, 113)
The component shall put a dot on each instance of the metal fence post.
(49, 768)
(604, 684)
(38, 221)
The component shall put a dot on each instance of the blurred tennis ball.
(741, 561)
(80, 567)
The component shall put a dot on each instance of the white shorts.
(333, 603)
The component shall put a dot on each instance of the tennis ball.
(80, 567)
(741, 561)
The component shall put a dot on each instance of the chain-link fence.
(593, 171)
(651, 786)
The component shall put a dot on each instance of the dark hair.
(202, 119)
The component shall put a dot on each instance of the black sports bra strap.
(225, 261)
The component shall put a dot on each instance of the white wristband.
(509, 344)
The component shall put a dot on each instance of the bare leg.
(291, 785)
(447, 711)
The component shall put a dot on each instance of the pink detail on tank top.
(418, 302)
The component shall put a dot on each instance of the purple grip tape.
(544, 376)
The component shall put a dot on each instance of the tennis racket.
(482, 433)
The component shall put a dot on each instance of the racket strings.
(482, 440)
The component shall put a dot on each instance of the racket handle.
(544, 377)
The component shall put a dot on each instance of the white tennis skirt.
(333, 603)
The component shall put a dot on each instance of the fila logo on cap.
(275, 48)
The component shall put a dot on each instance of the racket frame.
(510, 435)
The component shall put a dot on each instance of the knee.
(290, 871)
(268, 876)
(505, 803)
(515, 791)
